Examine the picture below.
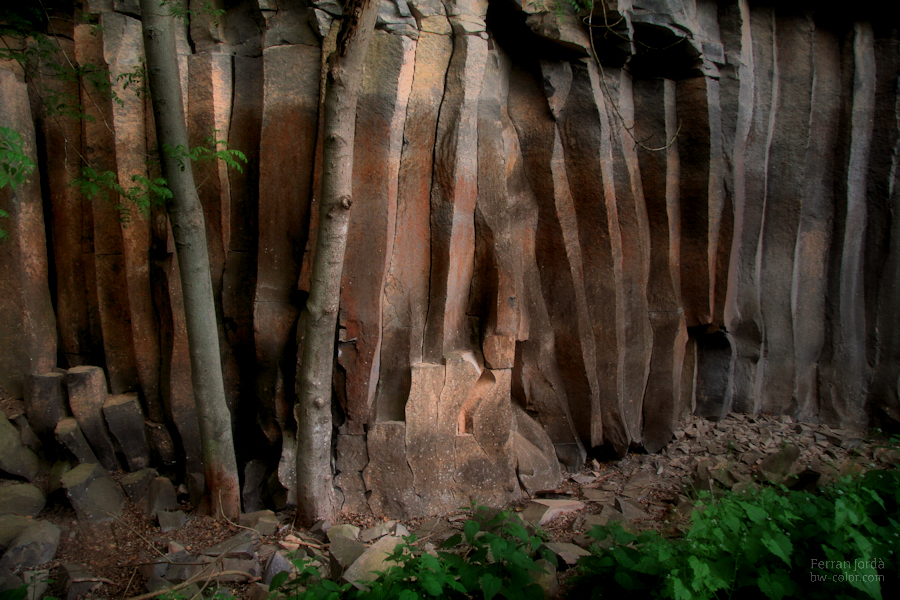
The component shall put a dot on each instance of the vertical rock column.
(850, 370)
(751, 152)
(883, 398)
(625, 196)
(814, 232)
(239, 280)
(542, 376)
(656, 121)
(575, 346)
(98, 139)
(380, 118)
(406, 290)
(453, 194)
(287, 144)
(27, 321)
(77, 319)
(123, 52)
(792, 92)
(580, 132)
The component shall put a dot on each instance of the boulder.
(373, 559)
(15, 458)
(171, 519)
(21, 499)
(11, 526)
(35, 546)
(136, 484)
(263, 522)
(94, 495)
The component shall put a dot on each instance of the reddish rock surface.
(547, 257)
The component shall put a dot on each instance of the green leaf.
(431, 585)
(470, 529)
(780, 545)
(453, 540)
(278, 580)
(490, 586)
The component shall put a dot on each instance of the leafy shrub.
(836, 544)
(493, 558)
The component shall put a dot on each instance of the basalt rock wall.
(569, 231)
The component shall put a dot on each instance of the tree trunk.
(315, 489)
(188, 229)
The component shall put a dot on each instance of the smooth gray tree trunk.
(315, 488)
(189, 231)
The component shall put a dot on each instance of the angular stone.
(29, 439)
(126, 423)
(94, 495)
(15, 458)
(373, 533)
(87, 394)
(631, 509)
(160, 442)
(46, 402)
(775, 467)
(183, 566)
(136, 484)
(537, 466)
(238, 546)
(252, 491)
(353, 488)
(570, 553)
(373, 559)
(35, 546)
(160, 496)
(345, 531)
(170, 519)
(344, 551)
(278, 563)
(68, 433)
(541, 512)
(453, 199)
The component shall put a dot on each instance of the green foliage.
(232, 158)
(15, 165)
(774, 543)
(494, 557)
(144, 192)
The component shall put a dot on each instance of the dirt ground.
(729, 452)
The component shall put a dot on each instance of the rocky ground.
(154, 542)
